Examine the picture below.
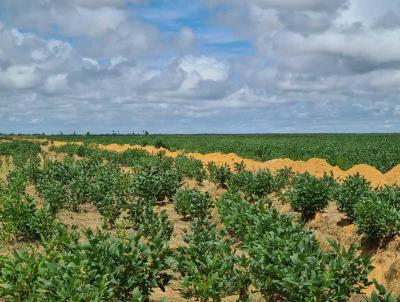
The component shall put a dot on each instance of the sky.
(199, 66)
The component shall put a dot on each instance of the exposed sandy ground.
(315, 166)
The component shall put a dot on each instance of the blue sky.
(221, 66)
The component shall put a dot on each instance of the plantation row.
(376, 212)
(343, 150)
(273, 255)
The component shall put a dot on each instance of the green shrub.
(309, 194)
(285, 260)
(283, 178)
(192, 203)
(210, 269)
(148, 222)
(104, 268)
(189, 167)
(377, 219)
(390, 194)
(350, 192)
(155, 184)
(23, 221)
(219, 174)
(237, 215)
(254, 185)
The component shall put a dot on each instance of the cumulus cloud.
(229, 66)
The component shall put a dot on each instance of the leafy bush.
(23, 221)
(159, 144)
(67, 185)
(189, 167)
(104, 268)
(219, 174)
(309, 194)
(237, 215)
(155, 184)
(377, 219)
(210, 269)
(390, 194)
(283, 178)
(192, 203)
(285, 260)
(350, 192)
(254, 185)
(148, 222)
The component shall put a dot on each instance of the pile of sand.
(314, 166)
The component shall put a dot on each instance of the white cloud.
(19, 77)
(56, 83)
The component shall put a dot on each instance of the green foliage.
(237, 215)
(68, 184)
(20, 151)
(254, 185)
(286, 262)
(343, 150)
(155, 184)
(390, 194)
(219, 175)
(23, 221)
(192, 203)
(151, 224)
(350, 192)
(104, 268)
(283, 178)
(189, 167)
(210, 269)
(376, 218)
(309, 194)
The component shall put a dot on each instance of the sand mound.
(314, 166)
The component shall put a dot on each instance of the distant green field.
(345, 150)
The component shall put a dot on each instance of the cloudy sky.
(195, 66)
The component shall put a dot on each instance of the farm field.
(87, 222)
(343, 150)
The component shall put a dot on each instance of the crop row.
(273, 255)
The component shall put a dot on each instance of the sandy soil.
(315, 166)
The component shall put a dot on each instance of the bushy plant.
(254, 185)
(377, 219)
(190, 167)
(219, 174)
(390, 194)
(155, 184)
(309, 194)
(103, 268)
(209, 266)
(192, 203)
(350, 192)
(285, 260)
(151, 224)
(283, 178)
(23, 221)
(237, 215)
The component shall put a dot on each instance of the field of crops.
(82, 224)
(344, 150)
